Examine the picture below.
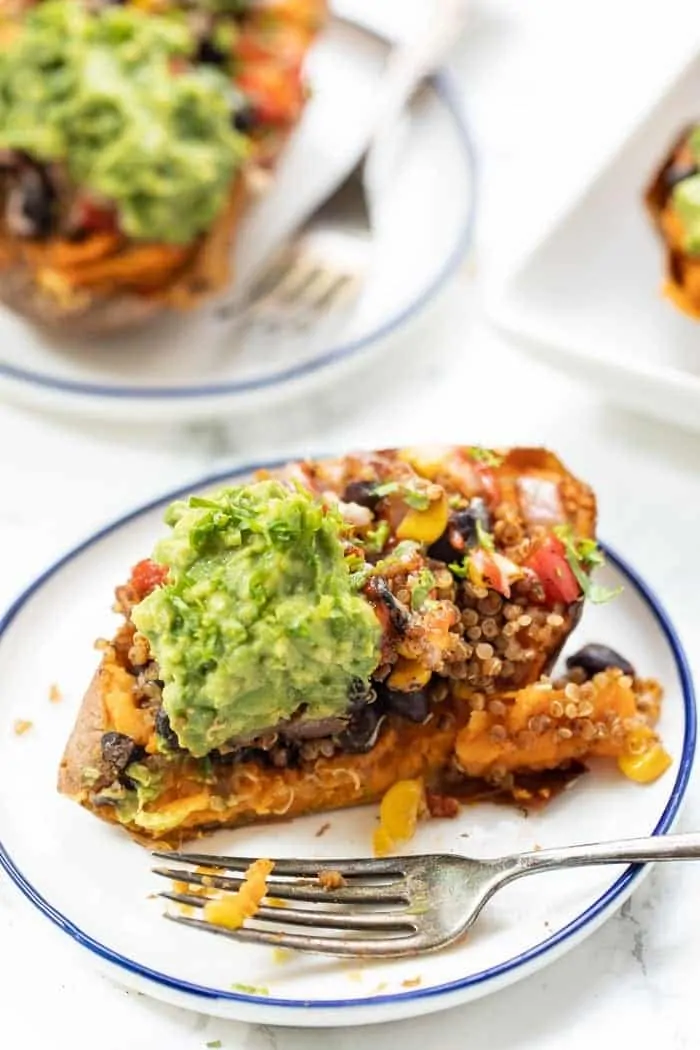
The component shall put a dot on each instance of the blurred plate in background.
(188, 366)
(588, 298)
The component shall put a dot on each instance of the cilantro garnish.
(375, 539)
(582, 555)
(387, 489)
(462, 571)
(417, 500)
(486, 456)
(483, 538)
(422, 588)
(412, 496)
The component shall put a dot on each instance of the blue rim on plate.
(204, 993)
(443, 86)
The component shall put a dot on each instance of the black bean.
(412, 706)
(461, 532)
(360, 693)
(363, 730)
(118, 750)
(31, 203)
(165, 731)
(363, 493)
(594, 658)
(245, 119)
(675, 173)
(209, 54)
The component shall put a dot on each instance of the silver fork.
(391, 907)
(321, 269)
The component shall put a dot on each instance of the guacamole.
(686, 200)
(112, 95)
(258, 617)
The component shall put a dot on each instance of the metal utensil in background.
(318, 273)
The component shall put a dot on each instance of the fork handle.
(623, 851)
(410, 62)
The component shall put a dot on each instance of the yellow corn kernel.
(425, 526)
(426, 460)
(409, 675)
(399, 811)
(647, 767)
(382, 845)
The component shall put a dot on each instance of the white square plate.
(587, 298)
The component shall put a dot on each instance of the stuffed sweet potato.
(673, 202)
(129, 137)
(305, 640)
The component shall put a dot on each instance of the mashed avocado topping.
(111, 94)
(686, 200)
(258, 618)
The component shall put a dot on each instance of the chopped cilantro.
(251, 989)
(422, 588)
(412, 496)
(387, 489)
(486, 456)
(462, 571)
(375, 540)
(417, 500)
(582, 554)
(355, 562)
(484, 538)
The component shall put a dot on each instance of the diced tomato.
(276, 93)
(146, 576)
(549, 564)
(93, 217)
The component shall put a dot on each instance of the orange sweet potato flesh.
(539, 728)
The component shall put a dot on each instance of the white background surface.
(549, 86)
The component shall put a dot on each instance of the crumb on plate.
(323, 829)
(250, 989)
(22, 726)
(331, 879)
(55, 694)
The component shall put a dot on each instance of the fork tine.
(359, 946)
(336, 920)
(388, 893)
(368, 867)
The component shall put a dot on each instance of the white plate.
(94, 883)
(189, 366)
(587, 299)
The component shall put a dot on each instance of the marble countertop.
(546, 88)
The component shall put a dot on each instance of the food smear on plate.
(22, 726)
(673, 201)
(130, 135)
(328, 631)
